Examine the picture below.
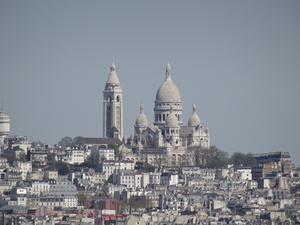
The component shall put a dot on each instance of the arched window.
(118, 98)
(108, 99)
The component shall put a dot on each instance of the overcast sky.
(238, 61)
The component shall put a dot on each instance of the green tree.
(114, 146)
(10, 157)
(65, 141)
(249, 160)
(82, 197)
(239, 158)
(110, 179)
(215, 158)
(138, 202)
(62, 168)
(51, 157)
(22, 157)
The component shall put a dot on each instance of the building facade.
(167, 135)
(113, 106)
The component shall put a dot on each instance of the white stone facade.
(4, 126)
(168, 130)
(113, 106)
(109, 166)
(25, 166)
(124, 177)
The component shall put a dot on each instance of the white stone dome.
(194, 119)
(3, 116)
(4, 124)
(172, 120)
(112, 77)
(141, 120)
(168, 91)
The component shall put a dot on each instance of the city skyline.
(237, 61)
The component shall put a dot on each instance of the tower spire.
(113, 66)
(168, 71)
(142, 108)
(194, 108)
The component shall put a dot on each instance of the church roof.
(98, 141)
(185, 131)
(168, 91)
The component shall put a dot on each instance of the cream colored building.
(4, 126)
(113, 106)
(168, 135)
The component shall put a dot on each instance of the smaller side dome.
(194, 119)
(172, 120)
(141, 120)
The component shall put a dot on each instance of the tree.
(82, 197)
(10, 157)
(22, 157)
(114, 146)
(51, 157)
(110, 179)
(65, 141)
(62, 168)
(239, 158)
(138, 202)
(198, 156)
(249, 160)
(160, 160)
(215, 158)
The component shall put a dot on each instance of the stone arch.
(174, 159)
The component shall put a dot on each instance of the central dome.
(168, 91)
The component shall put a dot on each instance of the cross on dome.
(142, 108)
(168, 71)
(113, 66)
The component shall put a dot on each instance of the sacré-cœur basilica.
(167, 140)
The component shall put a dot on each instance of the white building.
(113, 106)
(154, 178)
(102, 153)
(169, 179)
(168, 134)
(168, 129)
(109, 166)
(124, 177)
(26, 168)
(71, 155)
(243, 173)
(38, 187)
(58, 201)
(4, 126)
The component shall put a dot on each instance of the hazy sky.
(238, 61)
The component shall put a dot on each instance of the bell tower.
(113, 106)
